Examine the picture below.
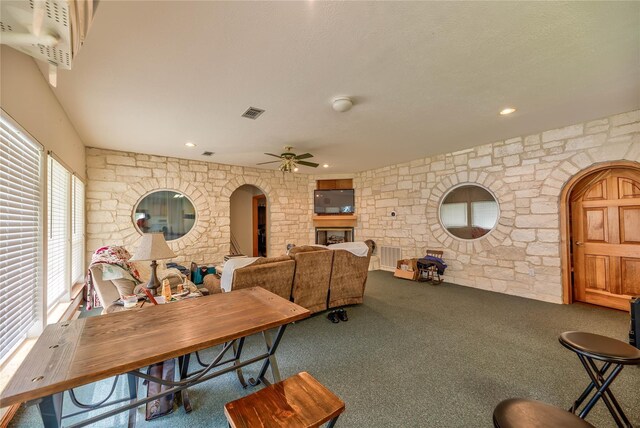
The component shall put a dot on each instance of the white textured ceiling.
(426, 77)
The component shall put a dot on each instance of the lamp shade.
(153, 247)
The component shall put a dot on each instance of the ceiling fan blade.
(304, 156)
(264, 163)
(271, 154)
(311, 164)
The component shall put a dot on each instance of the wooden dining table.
(75, 353)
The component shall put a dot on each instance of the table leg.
(132, 380)
(275, 371)
(51, 410)
(237, 351)
(183, 364)
(271, 353)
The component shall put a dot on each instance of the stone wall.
(117, 181)
(522, 255)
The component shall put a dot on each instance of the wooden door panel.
(630, 225)
(630, 278)
(628, 188)
(597, 192)
(597, 272)
(605, 220)
(595, 225)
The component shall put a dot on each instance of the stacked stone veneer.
(117, 181)
(526, 174)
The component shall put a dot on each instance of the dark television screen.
(334, 201)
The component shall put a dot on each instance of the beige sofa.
(314, 277)
(274, 274)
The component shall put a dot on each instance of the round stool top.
(600, 347)
(518, 412)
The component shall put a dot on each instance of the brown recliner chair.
(311, 277)
(348, 277)
(274, 274)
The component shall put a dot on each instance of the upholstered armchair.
(311, 277)
(274, 274)
(348, 275)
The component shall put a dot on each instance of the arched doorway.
(600, 226)
(248, 214)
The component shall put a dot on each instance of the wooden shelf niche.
(337, 220)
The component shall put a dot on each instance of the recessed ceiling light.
(295, 169)
(326, 165)
(507, 111)
(189, 144)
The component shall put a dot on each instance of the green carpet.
(417, 355)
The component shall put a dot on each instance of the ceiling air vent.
(207, 153)
(252, 113)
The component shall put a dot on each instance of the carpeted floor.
(417, 355)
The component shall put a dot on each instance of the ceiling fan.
(289, 161)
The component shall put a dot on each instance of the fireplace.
(333, 235)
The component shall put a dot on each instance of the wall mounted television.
(334, 202)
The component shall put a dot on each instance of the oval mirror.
(166, 211)
(469, 211)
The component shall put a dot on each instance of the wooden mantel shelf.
(348, 220)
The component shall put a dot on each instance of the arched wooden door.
(605, 220)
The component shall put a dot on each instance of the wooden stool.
(299, 401)
(613, 353)
(521, 413)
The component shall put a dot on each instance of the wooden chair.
(296, 402)
(429, 272)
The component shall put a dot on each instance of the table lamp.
(152, 247)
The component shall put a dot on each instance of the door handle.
(579, 244)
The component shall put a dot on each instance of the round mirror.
(166, 211)
(469, 211)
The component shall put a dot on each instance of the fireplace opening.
(333, 235)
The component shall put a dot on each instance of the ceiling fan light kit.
(342, 104)
(289, 161)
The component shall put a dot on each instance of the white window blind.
(484, 214)
(77, 231)
(20, 243)
(58, 275)
(454, 215)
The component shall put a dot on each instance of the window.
(484, 214)
(58, 220)
(20, 234)
(166, 211)
(454, 215)
(469, 211)
(77, 231)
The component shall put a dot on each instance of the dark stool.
(297, 402)
(521, 413)
(613, 353)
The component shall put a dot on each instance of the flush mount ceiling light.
(507, 111)
(326, 165)
(189, 144)
(342, 104)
